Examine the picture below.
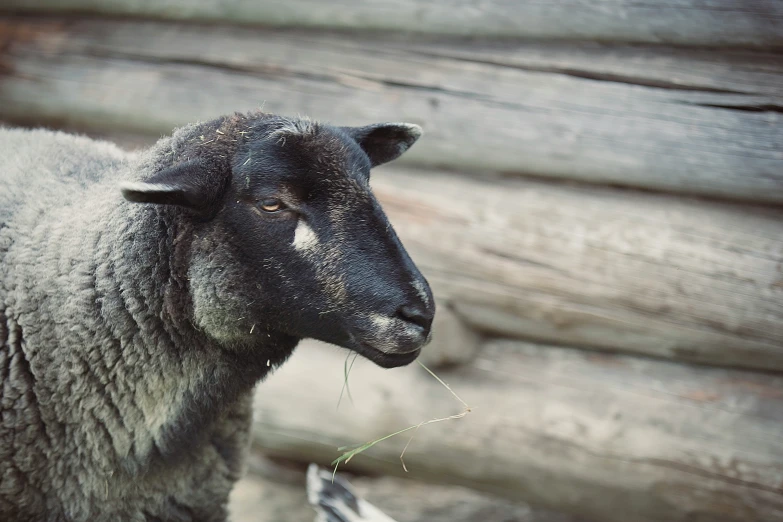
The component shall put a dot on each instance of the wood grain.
(275, 492)
(680, 22)
(695, 122)
(611, 438)
(613, 269)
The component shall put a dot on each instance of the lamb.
(143, 296)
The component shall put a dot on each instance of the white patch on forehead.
(305, 239)
(419, 286)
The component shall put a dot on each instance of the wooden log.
(276, 493)
(255, 499)
(454, 342)
(611, 269)
(663, 119)
(611, 438)
(681, 22)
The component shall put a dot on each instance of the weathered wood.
(688, 22)
(254, 499)
(454, 342)
(612, 438)
(613, 269)
(274, 493)
(675, 120)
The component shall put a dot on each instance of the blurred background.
(597, 203)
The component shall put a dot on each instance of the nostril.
(415, 315)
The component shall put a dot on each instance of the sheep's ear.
(189, 184)
(384, 142)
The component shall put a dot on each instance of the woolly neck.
(100, 304)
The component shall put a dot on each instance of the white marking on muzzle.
(305, 239)
(419, 286)
(381, 322)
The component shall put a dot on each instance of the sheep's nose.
(417, 314)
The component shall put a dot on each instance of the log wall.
(594, 267)
(685, 121)
(681, 22)
(601, 268)
(611, 438)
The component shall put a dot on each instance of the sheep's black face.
(299, 246)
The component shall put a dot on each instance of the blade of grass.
(402, 461)
(445, 385)
(346, 371)
(349, 454)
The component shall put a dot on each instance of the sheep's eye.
(272, 205)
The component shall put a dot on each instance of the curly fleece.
(94, 315)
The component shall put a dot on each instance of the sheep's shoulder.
(40, 162)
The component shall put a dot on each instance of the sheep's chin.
(387, 359)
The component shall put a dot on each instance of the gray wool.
(142, 297)
(101, 366)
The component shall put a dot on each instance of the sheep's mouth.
(399, 345)
(387, 359)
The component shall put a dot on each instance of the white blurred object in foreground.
(334, 499)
